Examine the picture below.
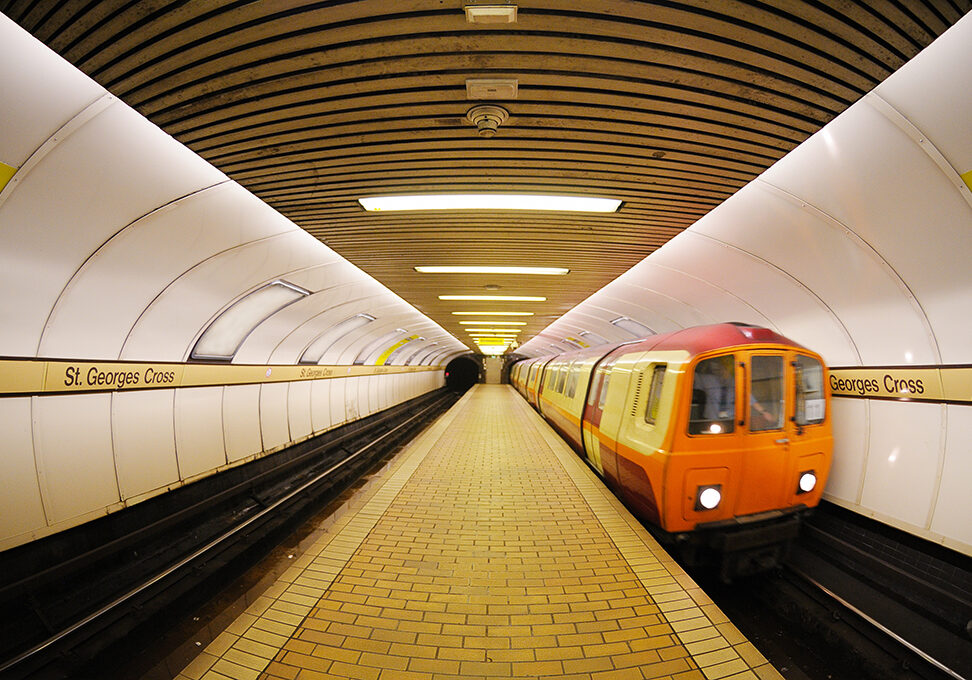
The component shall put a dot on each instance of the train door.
(591, 421)
(600, 450)
(810, 444)
(766, 461)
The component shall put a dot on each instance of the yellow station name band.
(939, 384)
(39, 376)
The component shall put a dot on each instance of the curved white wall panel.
(49, 92)
(169, 326)
(199, 437)
(143, 435)
(320, 399)
(851, 419)
(89, 186)
(241, 421)
(76, 468)
(20, 503)
(954, 508)
(299, 410)
(274, 423)
(904, 463)
(117, 283)
(892, 212)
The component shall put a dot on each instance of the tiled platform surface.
(490, 551)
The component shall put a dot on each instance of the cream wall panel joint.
(65, 131)
(952, 174)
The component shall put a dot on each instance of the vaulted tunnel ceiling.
(668, 106)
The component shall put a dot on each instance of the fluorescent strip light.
(224, 335)
(508, 331)
(444, 269)
(496, 298)
(490, 322)
(492, 313)
(490, 202)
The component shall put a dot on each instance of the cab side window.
(811, 405)
(713, 396)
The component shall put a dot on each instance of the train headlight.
(808, 480)
(708, 497)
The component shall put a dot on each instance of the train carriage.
(718, 436)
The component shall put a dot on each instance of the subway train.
(718, 437)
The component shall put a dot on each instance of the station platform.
(484, 549)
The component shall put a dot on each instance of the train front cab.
(725, 479)
(751, 465)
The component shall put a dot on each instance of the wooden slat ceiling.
(669, 106)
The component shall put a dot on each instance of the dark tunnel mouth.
(461, 373)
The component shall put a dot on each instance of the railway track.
(74, 600)
(858, 601)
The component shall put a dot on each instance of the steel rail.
(884, 629)
(54, 639)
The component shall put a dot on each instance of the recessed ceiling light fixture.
(492, 313)
(496, 13)
(490, 322)
(636, 328)
(496, 298)
(462, 269)
(490, 202)
(504, 331)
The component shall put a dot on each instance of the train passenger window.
(713, 397)
(654, 393)
(561, 378)
(811, 405)
(572, 381)
(766, 394)
(595, 387)
(604, 390)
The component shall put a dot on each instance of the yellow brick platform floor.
(488, 550)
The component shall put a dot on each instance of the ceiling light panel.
(490, 202)
(496, 298)
(458, 269)
(492, 313)
(491, 322)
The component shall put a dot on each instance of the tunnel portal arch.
(462, 373)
